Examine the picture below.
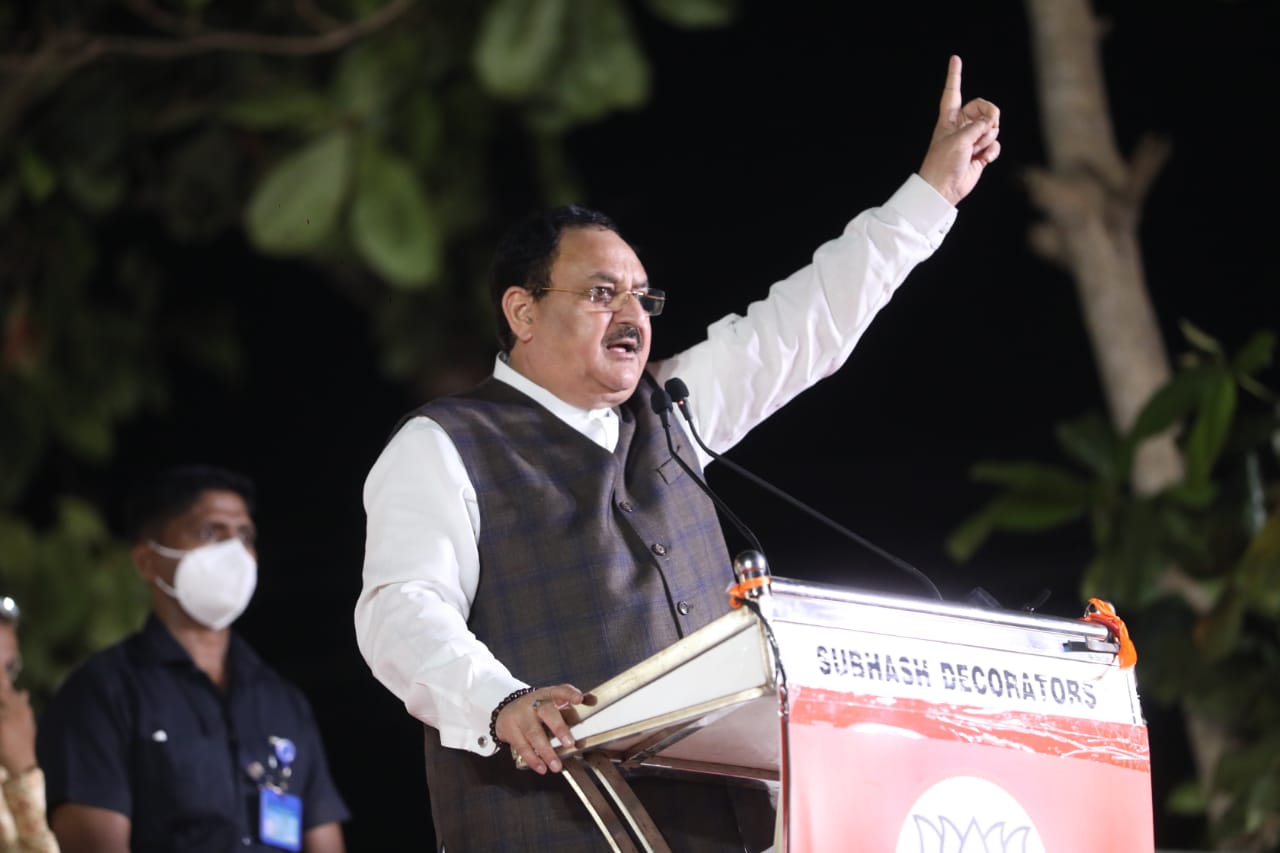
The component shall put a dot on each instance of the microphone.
(660, 402)
(678, 392)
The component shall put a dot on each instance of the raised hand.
(964, 140)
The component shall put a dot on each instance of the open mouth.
(625, 341)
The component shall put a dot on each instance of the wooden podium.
(883, 723)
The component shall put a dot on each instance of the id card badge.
(279, 819)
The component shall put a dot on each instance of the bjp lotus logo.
(965, 814)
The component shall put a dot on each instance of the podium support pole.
(592, 776)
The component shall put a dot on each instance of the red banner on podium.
(910, 776)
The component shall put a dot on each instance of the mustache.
(622, 334)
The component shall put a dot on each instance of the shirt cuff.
(924, 209)
(473, 735)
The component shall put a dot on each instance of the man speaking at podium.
(534, 536)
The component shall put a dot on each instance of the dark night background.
(760, 142)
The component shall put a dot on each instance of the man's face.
(216, 515)
(585, 356)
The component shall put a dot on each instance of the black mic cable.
(678, 393)
(660, 402)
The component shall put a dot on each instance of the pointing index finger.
(949, 107)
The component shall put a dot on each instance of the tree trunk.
(1093, 199)
(1092, 202)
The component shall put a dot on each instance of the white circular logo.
(965, 814)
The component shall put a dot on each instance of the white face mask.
(213, 583)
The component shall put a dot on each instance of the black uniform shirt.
(140, 730)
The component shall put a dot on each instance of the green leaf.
(1187, 800)
(1259, 567)
(1200, 339)
(280, 108)
(80, 521)
(1197, 494)
(296, 207)
(1256, 354)
(1092, 442)
(1172, 402)
(605, 69)
(96, 192)
(17, 547)
(1212, 423)
(1240, 768)
(695, 14)
(965, 540)
(1031, 513)
(392, 225)
(518, 43)
(365, 81)
(1186, 536)
(89, 434)
(1039, 497)
(1034, 478)
(1133, 556)
(1263, 802)
(1093, 582)
(37, 175)
(424, 125)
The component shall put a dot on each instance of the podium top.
(1015, 630)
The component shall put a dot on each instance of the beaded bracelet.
(493, 718)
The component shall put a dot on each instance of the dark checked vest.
(590, 562)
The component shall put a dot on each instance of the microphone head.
(660, 401)
(750, 563)
(677, 389)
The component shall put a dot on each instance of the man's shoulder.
(100, 686)
(460, 403)
(103, 669)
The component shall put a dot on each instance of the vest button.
(659, 549)
(683, 607)
(626, 506)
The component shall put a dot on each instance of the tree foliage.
(378, 142)
(1194, 567)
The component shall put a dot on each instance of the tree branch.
(162, 20)
(78, 49)
(319, 20)
(33, 75)
(1149, 159)
(1046, 241)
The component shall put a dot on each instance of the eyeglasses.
(603, 298)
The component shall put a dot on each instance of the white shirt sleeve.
(421, 562)
(749, 367)
(421, 568)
